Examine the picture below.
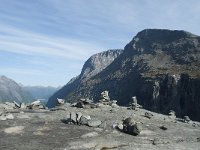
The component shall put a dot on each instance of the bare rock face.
(92, 67)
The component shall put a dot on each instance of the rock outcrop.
(92, 67)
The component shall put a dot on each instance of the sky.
(46, 42)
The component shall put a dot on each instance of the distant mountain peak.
(10, 91)
(94, 65)
(164, 33)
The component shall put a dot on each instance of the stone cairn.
(133, 104)
(172, 114)
(104, 99)
(186, 119)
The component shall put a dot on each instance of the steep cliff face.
(160, 67)
(10, 91)
(92, 67)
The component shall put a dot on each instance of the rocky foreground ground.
(47, 129)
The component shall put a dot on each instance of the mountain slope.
(92, 67)
(160, 67)
(10, 91)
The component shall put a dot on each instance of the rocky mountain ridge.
(95, 64)
(160, 67)
(10, 91)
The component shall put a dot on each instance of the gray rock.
(72, 117)
(84, 120)
(16, 104)
(60, 101)
(103, 125)
(128, 121)
(131, 127)
(148, 115)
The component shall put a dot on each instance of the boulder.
(60, 101)
(134, 129)
(16, 104)
(131, 127)
(36, 102)
(84, 120)
(23, 106)
(36, 105)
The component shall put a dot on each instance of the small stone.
(114, 106)
(163, 127)
(78, 116)
(120, 126)
(94, 123)
(148, 115)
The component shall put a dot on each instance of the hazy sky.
(46, 42)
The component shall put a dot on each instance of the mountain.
(161, 67)
(41, 92)
(10, 91)
(92, 67)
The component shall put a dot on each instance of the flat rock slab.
(14, 130)
(94, 123)
(45, 131)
